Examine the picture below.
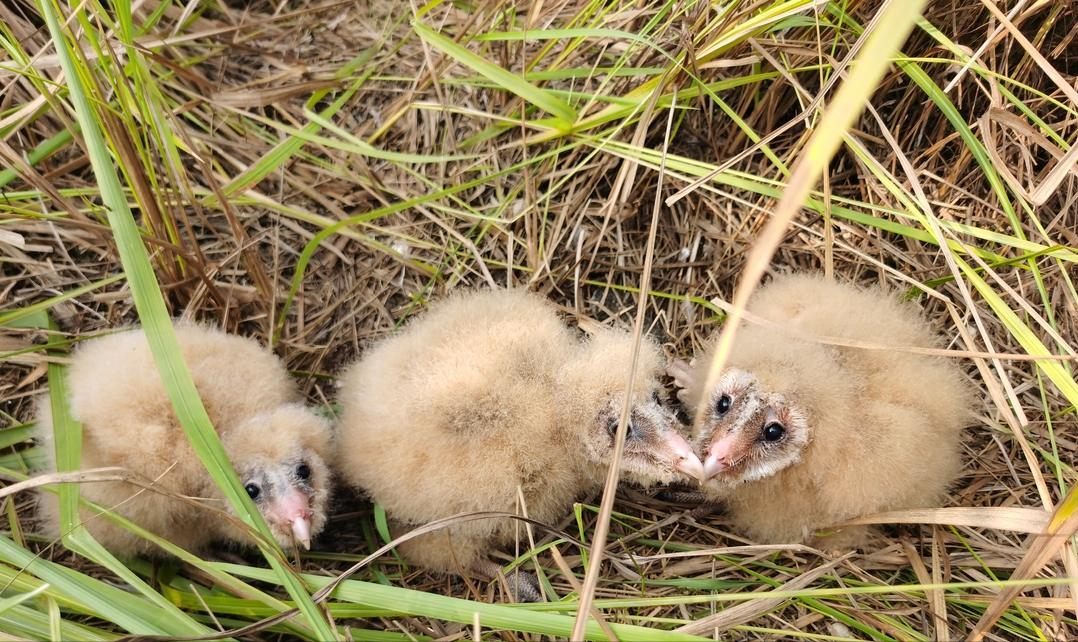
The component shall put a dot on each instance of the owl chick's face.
(749, 433)
(655, 451)
(279, 457)
(291, 495)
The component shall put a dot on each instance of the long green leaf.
(8, 318)
(44, 149)
(131, 612)
(67, 441)
(8, 603)
(542, 99)
(27, 623)
(494, 616)
(159, 331)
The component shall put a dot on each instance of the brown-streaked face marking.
(749, 433)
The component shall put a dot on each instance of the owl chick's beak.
(292, 512)
(682, 455)
(712, 467)
(721, 455)
(301, 531)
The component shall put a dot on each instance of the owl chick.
(277, 446)
(485, 394)
(800, 435)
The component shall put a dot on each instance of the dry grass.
(448, 180)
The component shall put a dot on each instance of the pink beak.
(301, 531)
(720, 456)
(686, 460)
(292, 509)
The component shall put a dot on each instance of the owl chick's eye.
(630, 430)
(253, 491)
(774, 431)
(303, 471)
(722, 406)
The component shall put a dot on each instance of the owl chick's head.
(749, 432)
(596, 383)
(280, 458)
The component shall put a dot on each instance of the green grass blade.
(46, 148)
(159, 330)
(67, 436)
(16, 435)
(27, 623)
(574, 32)
(8, 603)
(285, 149)
(8, 318)
(540, 98)
(1025, 336)
(128, 611)
(494, 616)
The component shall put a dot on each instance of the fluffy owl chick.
(485, 394)
(800, 435)
(277, 446)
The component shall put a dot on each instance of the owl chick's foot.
(682, 373)
(703, 504)
(523, 585)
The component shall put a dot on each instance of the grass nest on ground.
(312, 174)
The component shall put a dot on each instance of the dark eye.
(630, 430)
(612, 426)
(722, 406)
(252, 490)
(303, 471)
(773, 431)
(656, 398)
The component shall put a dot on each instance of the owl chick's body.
(801, 435)
(127, 421)
(479, 397)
